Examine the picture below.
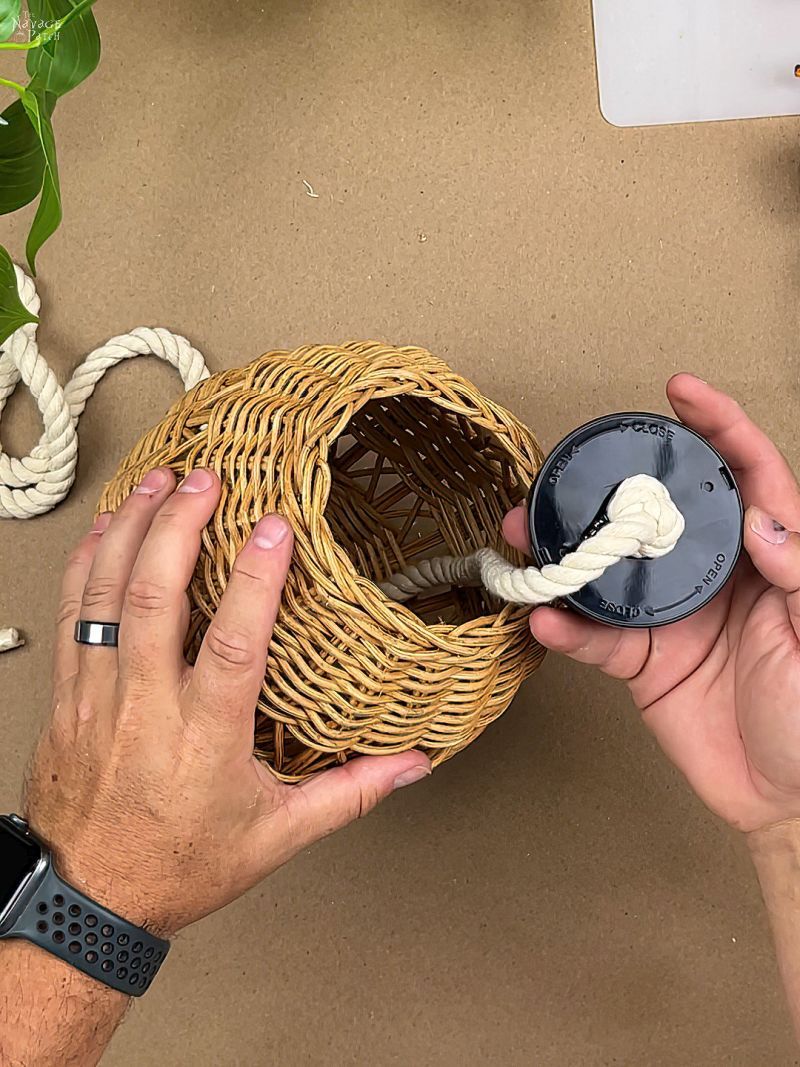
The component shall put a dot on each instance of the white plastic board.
(663, 61)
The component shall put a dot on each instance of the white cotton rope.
(9, 639)
(643, 523)
(33, 484)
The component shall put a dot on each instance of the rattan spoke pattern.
(378, 457)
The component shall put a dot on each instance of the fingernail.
(270, 531)
(152, 482)
(700, 379)
(413, 774)
(196, 482)
(100, 524)
(768, 529)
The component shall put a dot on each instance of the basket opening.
(411, 480)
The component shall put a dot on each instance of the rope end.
(10, 638)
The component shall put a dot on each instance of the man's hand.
(144, 783)
(720, 690)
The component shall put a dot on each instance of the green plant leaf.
(72, 54)
(9, 17)
(13, 312)
(39, 107)
(21, 160)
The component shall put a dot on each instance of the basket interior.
(411, 480)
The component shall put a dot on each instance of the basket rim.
(446, 636)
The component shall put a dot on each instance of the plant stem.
(13, 85)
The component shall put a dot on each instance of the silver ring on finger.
(105, 634)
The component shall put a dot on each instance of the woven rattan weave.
(378, 457)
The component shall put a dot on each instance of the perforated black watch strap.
(91, 938)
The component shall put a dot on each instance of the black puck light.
(568, 500)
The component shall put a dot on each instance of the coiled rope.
(35, 483)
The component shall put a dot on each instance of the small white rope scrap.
(34, 484)
(10, 639)
(643, 523)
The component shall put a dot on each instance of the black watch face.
(18, 860)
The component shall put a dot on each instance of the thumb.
(337, 797)
(515, 529)
(775, 551)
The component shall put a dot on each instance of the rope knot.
(643, 523)
(645, 503)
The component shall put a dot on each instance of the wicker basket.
(377, 456)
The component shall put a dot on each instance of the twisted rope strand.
(643, 523)
(35, 483)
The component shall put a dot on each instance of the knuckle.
(363, 798)
(100, 592)
(124, 517)
(81, 556)
(140, 680)
(245, 576)
(68, 610)
(613, 656)
(231, 649)
(86, 707)
(171, 516)
(368, 799)
(146, 599)
(300, 825)
(129, 707)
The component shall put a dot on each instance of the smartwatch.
(37, 905)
